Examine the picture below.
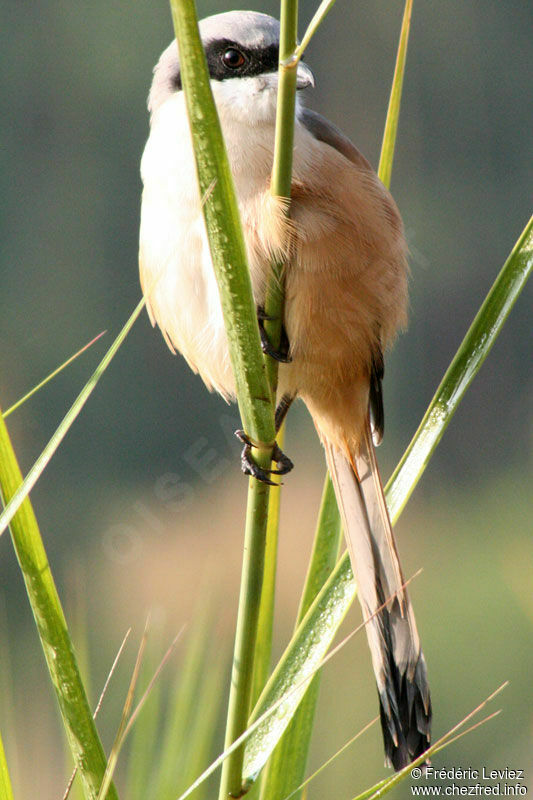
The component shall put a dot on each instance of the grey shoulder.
(325, 131)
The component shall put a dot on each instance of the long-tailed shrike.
(346, 296)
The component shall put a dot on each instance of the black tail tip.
(406, 719)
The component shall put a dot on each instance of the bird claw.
(282, 353)
(250, 467)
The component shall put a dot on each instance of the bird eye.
(233, 58)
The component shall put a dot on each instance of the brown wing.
(324, 131)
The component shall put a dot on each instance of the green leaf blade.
(25, 486)
(50, 377)
(6, 790)
(296, 667)
(57, 646)
(467, 362)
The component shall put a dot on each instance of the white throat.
(247, 112)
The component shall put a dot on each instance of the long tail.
(397, 658)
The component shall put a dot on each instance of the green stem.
(282, 168)
(252, 658)
(246, 634)
(274, 304)
(286, 767)
(265, 623)
(283, 146)
(228, 254)
(274, 307)
(393, 112)
(250, 371)
(226, 240)
(51, 625)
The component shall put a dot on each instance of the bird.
(346, 274)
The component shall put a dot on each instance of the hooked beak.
(304, 77)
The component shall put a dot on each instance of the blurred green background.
(142, 507)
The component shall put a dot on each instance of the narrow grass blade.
(318, 18)
(296, 667)
(52, 628)
(6, 790)
(330, 760)
(150, 688)
(111, 673)
(391, 124)
(52, 375)
(192, 712)
(127, 721)
(182, 708)
(36, 471)
(202, 731)
(286, 767)
(119, 736)
(271, 710)
(99, 704)
(384, 786)
(471, 354)
(144, 741)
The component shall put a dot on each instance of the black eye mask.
(256, 61)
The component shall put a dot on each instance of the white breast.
(176, 270)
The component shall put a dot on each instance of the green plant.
(290, 692)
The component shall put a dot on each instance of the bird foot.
(250, 467)
(280, 354)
